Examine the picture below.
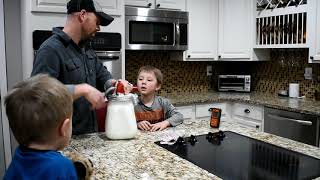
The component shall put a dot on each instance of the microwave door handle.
(307, 123)
(177, 34)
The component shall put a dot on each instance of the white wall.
(31, 21)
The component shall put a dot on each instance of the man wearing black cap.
(63, 57)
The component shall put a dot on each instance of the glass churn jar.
(120, 120)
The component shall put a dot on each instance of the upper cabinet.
(158, 4)
(235, 29)
(203, 31)
(221, 30)
(112, 7)
(288, 24)
(314, 53)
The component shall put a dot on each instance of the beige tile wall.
(179, 76)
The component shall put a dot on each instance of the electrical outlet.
(308, 73)
(209, 70)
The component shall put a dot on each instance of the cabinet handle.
(150, 4)
(189, 56)
(257, 126)
(311, 57)
(247, 111)
(158, 5)
(219, 57)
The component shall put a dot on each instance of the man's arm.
(46, 61)
(94, 96)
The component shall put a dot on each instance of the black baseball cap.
(89, 6)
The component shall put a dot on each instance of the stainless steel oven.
(239, 83)
(153, 29)
(296, 126)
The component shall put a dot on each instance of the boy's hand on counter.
(144, 125)
(160, 126)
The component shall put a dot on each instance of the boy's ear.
(63, 131)
(158, 87)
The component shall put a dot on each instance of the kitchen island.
(141, 158)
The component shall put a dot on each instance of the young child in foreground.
(39, 110)
(154, 113)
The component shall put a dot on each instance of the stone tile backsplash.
(179, 76)
(286, 66)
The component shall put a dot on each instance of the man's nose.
(98, 28)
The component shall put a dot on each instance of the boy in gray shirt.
(154, 113)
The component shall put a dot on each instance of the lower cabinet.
(248, 115)
(202, 110)
(197, 111)
(188, 112)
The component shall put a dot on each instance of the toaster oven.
(239, 83)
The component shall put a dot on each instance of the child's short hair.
(36, 107)
(156, 71)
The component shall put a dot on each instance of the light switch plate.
(308, 73)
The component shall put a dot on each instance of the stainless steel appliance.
(296, 126)
(106, 45)
(153, 29)
(239, 83)
(233, 156)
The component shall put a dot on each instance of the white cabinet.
(139, 3)
(112, 7)
(235, 29)
(203, 30)
(221, 30)
(159, 4)
(202, 110)
(188, 112)
(314, 50)
(248, 115)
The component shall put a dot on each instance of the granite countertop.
(302, 105)
(140, 158)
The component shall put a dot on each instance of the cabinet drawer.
(186, 111)
(202, 110)
(248, 111)
(250, 124)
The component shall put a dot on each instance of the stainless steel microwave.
(239, 83)
(153, 29)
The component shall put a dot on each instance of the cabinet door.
(235, 29)
(140, 3)
(248, 115)
(202, 110)
(112, 7)
(203, 30)
(171, 4)
(188, 112)
(316, 57)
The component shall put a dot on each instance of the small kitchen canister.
(294, 90)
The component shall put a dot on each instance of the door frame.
(3, 90)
